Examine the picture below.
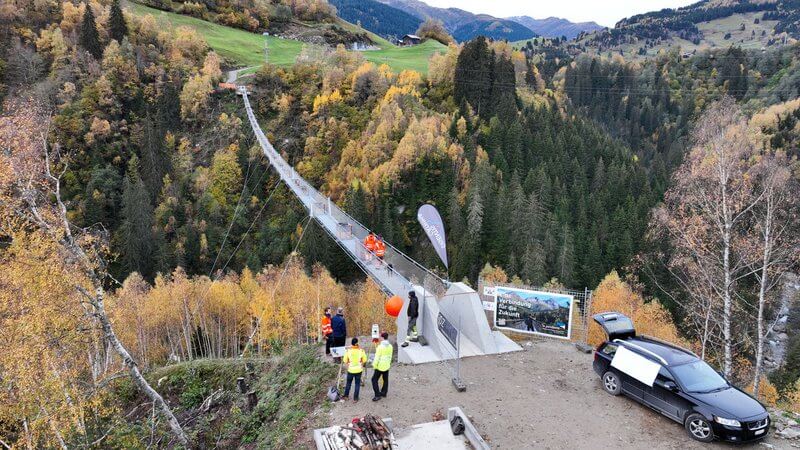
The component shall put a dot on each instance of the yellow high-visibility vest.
(355, 358)
(383, 357)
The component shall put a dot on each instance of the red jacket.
(326, 326)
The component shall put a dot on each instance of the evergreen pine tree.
(116, 22)
(136, 235)
(89, 38)
(565, 256)
(533, 262)
(356, 204)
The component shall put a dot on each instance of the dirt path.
(545, 397)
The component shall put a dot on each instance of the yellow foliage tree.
(323, 100)
(768, 393)
(650, 318)
(492, 274)
(194, 96)
(47, 377)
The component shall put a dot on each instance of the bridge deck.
(395, 274)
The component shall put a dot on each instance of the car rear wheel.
(699, 428)
(611, 383)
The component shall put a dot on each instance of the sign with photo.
(533, 312)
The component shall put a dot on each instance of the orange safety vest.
(326, 326)
(380, 249)
(369, 242)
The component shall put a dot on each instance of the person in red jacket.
(369, 244)
(380, 247)
(327, 330)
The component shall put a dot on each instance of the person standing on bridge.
(413, 312)
(369, 244)
(380, 249)
(381, 364)
(327, 330)
(354, 359)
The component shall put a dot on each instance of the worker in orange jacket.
(369, 244)
(327, 330)
(380, 249)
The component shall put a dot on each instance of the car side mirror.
(671, 386)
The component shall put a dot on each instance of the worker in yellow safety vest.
(354, 359)
(381, 364)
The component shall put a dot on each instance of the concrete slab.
(429, 435)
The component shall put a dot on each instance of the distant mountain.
(381, 19)
(451, 17)
(494, 28)
(556, 27)
(464, 25)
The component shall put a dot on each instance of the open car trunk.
(616, 325)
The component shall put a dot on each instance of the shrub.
(434, 29)
(651, 318)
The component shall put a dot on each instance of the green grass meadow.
(246, 49)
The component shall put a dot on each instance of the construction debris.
(363, 433)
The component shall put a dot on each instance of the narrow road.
(233, 75)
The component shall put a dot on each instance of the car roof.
(673, 355)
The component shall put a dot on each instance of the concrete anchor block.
(473, 436)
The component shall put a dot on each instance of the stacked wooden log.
(363, 433)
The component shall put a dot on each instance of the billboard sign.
(533, 312)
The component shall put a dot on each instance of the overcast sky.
(604, 12)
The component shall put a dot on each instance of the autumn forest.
(142, 228)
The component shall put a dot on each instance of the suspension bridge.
(451, 320)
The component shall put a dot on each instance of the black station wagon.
(677, 383)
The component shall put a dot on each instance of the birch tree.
(703, 213)
(30, 196)
(774, 239)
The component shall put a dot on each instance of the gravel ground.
(545, 397)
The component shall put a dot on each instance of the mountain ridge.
(382, 19)
(465, 25)
(553, 27)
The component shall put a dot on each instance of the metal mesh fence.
(582, 305)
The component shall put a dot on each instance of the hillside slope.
(314, 22)
(464, 25)
(242, 48)
(203, 393)
(451, 17)
(491, 27)
(553, 27)
(377, 17)
(706, 24)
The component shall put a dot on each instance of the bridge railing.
(398, 266)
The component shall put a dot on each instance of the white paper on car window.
(635, 365)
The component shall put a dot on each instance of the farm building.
(410, 39)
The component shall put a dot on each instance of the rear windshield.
(620, 324)
(699, 377)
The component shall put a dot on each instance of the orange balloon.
(393, 305)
